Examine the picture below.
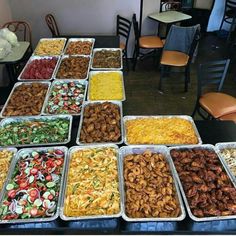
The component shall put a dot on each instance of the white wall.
(82, 16)
(5, 15)
(73, 16)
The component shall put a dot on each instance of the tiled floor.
(142, 94)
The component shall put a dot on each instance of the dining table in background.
(168, 18)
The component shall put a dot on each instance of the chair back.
(193, 47)
(22, 29)
(123, 27)
(230, 5)
(52, 25)
(212, 73)
(135, 25)
(181, 38)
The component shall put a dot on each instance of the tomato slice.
(12, 193)
(48, 177)
(33, 193)
(23, 185)
(33, 171)
(34, 211)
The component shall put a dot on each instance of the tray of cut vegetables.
(33, 190)
(35, 130)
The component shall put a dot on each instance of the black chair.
(178, 51)
(123, 27)
(214, 104)
(149, 42)
(52, 25)
(229, 16)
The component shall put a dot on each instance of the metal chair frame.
(137, 47)
(123, 27)
(163, 68)
(229, 13)
(211, 73)
(52, 25)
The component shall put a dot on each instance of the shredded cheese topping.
(160, 131)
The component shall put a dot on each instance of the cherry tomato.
(12, 193)
(33, 193)
(34, 211)
(48, 177)
(33, 171)
(50, 197)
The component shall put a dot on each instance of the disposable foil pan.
(71, 151)
(72, 78)
(32, 58)
(82, 118)
(16, 159)
(138, 149)
(219, 147)
(108, 49)
(50, 39)
(92, 73)
(189, 118)
(19, 84)
(14, 151)
(198, 219)
(82, 82)
(7, 121)
(92, 40)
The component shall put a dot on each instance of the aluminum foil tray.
(8, 121)
(71, 151)
(38, 203)
(81, 123)
(194, 218)
(92, 73)
(138, 149)
(188, 118)
(108, 49)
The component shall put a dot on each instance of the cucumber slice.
(38, 202)
(50, 184)
(9, 187)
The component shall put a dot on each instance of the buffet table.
(211, 132)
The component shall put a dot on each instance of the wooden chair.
(215, 104)
(123, 27)
(178, 51)
(22, 29)
(229, 16)
(52, 25)
(144, 42)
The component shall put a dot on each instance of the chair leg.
(161, 77)
(127, 62)
(135, 56)
(187, 78)
(195, 109)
